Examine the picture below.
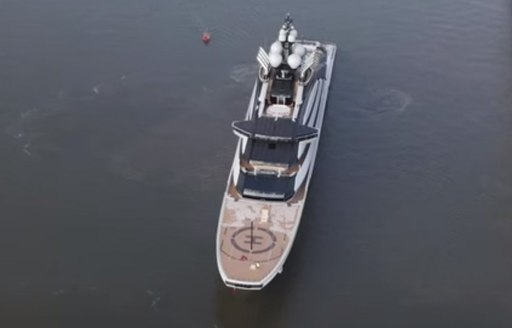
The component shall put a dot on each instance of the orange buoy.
(206, 37)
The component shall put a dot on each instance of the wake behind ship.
(274, 159)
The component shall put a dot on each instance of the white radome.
(294, 33)
(275, 59)
(291, 37)
(299, 50)
(276, 47)
(294, 61)
(282, 35)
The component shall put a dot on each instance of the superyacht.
(274, 159)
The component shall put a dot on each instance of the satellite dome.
(275, 59)
(291, 37)
(298, 49)
(282, 35)
(294, 61)
(294, 33)
(276, 47)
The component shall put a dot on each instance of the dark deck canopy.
(280, 129)
(271, 152)
(265, 186)
(283, 85)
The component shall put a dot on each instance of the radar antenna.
(288, 21)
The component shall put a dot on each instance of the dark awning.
(280, 129)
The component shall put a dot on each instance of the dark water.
(115, 145)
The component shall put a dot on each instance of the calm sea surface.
(115, 146)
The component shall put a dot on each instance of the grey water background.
(115, 145)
